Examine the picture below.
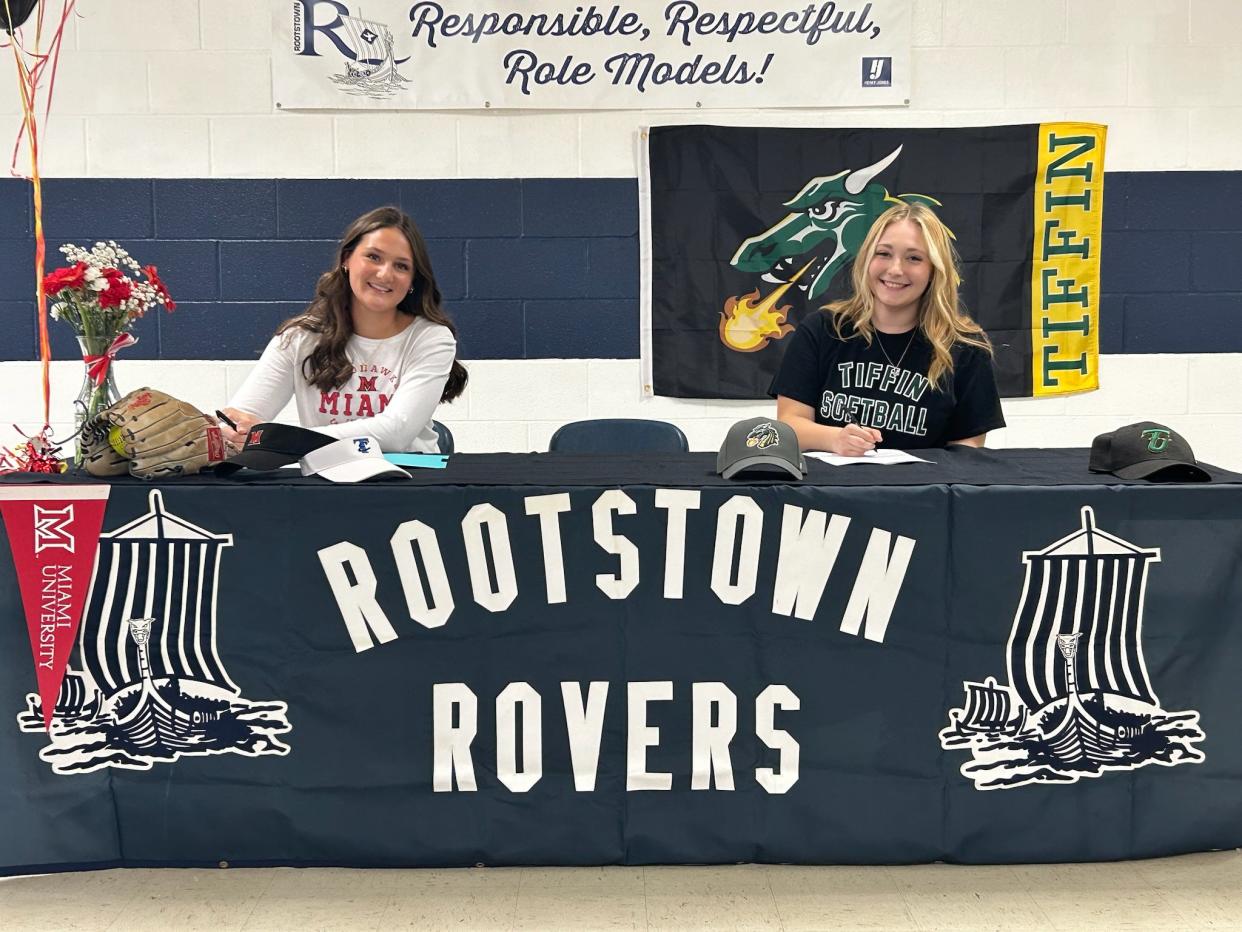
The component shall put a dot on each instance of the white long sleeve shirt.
(391, 395)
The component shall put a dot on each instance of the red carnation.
(119, 288)
(152, 274)
(72, 277)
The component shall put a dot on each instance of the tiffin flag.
(748, 230)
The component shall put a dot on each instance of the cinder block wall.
(163, 136)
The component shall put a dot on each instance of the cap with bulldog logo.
(759, 446)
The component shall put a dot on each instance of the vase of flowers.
(100, 295)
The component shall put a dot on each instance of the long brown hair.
(941, 318)
(327, 367)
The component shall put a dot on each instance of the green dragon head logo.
(822, 233)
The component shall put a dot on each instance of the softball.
(115, 441)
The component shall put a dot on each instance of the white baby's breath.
(81, 305)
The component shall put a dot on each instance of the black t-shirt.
(842, 377)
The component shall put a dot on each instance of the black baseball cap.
(760, 445)
(271, 445)
(1146, 450)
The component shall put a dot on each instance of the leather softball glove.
(162, 436)
(99, 456)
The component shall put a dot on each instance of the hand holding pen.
(854, 439)
(234, 425)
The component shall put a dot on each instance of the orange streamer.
(28, 81)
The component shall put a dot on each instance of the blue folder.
(420, 460)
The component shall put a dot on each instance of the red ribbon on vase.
(97, 366)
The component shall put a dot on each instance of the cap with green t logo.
(1146, 450)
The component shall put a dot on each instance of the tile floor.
(1198, 891)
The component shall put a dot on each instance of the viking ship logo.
(150, 686)
(1080, 701)
(373, 72)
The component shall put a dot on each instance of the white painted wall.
(182, 88)
(515, 406)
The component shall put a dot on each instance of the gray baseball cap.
(760, 445)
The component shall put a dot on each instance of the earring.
(411, 291)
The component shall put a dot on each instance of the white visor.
(353, 459)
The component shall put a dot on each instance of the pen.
(227, 420)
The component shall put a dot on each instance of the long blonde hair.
(941, 318)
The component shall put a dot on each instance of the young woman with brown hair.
(373, 354)
(898, 363)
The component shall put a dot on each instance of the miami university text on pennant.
(53, 532)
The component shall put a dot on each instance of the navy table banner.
(557, 659)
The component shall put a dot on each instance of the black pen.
(850, 418)
(227, 420)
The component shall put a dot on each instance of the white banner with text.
(561, 55)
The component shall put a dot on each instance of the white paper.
(871, 457)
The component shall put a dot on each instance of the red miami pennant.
(54, 536)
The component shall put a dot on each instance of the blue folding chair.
(619, 435)
(444, 437)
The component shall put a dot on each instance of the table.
(556, 659)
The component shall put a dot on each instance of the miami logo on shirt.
(365, 398)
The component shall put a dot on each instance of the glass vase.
(92, 397)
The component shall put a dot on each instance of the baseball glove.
(99, 456)
(162, 436)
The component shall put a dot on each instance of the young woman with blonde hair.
(374, 353)
(898, 363)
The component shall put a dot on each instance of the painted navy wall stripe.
(539, 268)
